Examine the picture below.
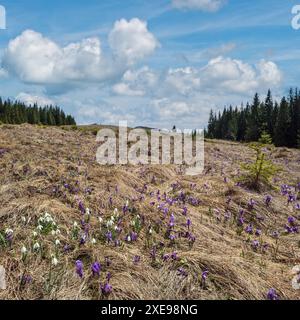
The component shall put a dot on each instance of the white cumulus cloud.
(34, 58)
(131, 40)
(225, 75)
(31, 99)
(137, 82)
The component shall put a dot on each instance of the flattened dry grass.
(37, 162)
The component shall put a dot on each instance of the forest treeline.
(281, 120)
(16, 112)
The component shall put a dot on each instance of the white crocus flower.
(9, 231)
(40, 227)
(93, 241)
(35, 234)
(36, 246)
(23, 219)
(24, 252)
(57, 242)
(54, 261)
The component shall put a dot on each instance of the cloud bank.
(36, 59)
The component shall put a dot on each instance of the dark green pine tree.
(281, 134)
(211, 132)
(268, 113)
(253, 125)
(241, 125)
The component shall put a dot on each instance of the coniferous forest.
(16, 112)
(281, 120)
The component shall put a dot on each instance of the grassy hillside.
(156, 233)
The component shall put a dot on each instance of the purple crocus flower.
(291, 198)
(268, 200)
(191, 237)
(265, 246)
(172, 237)
(106, 289)
(172, 221)
(134, 236)
(109, 236)
(185, 211)
(291, 220)
(258, 232)
(125, 209)
(272, 295)
(83, 239)
(9, 237)
(251, 204)
(249, 229)
(117, 243)
(165, 257)
(96, 268)
(288, 229)
(136, 259)
(174, 256)
(255, 244)
(295, 229)
(108, 276)
(240, 221)
(81, 207)
(26, 279)
(189, 223)
(204, 277)
(182, 272)
(227, 215)
(285, 189)
(79, 268)
(297, 206)
(153, 253)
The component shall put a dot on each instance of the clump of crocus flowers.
(106, 288)
(291, 226)
(272, 294)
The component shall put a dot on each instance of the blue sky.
(155, 63)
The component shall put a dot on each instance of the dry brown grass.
(37, 160)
